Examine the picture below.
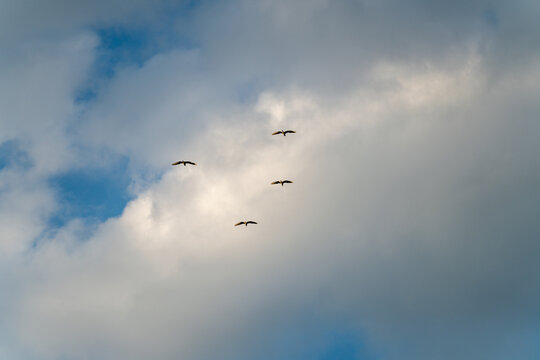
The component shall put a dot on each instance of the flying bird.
(284, 132)
(183, 163)
(245, 223)
(281, 182)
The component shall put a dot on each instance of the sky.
(411, 229)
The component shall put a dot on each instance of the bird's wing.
(177, 163)
(190, 162)
(287, 181)
(251, 222)
(277, 132)
(240, 223)
(289, 131)
(274, 183)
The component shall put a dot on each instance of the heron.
(284, 132)
(183, 162)
(245, 223)
(281, 182)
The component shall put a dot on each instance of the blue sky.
(12, 155)
(94, 193)
(410, 231)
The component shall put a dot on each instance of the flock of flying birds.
(281, 182)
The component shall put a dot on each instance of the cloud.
(410, 224)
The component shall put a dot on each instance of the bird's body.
(183, 162)
(284, 132)
(281, 182)
(245, 223)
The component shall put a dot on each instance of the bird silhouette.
(182, 162)
(245, 223)
(284, 132)
(281, 182)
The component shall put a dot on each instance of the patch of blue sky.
(125, 45)
(118, 46)
(13, 156)
(313, 338)
(91, 194)
(491, 17)
(346, 346)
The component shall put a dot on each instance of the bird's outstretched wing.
(251, 222)
(287, 181)
(274, 183)
(277, 132)
(289, 131)
(190, 162)
(177, 163)
(240, 223)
